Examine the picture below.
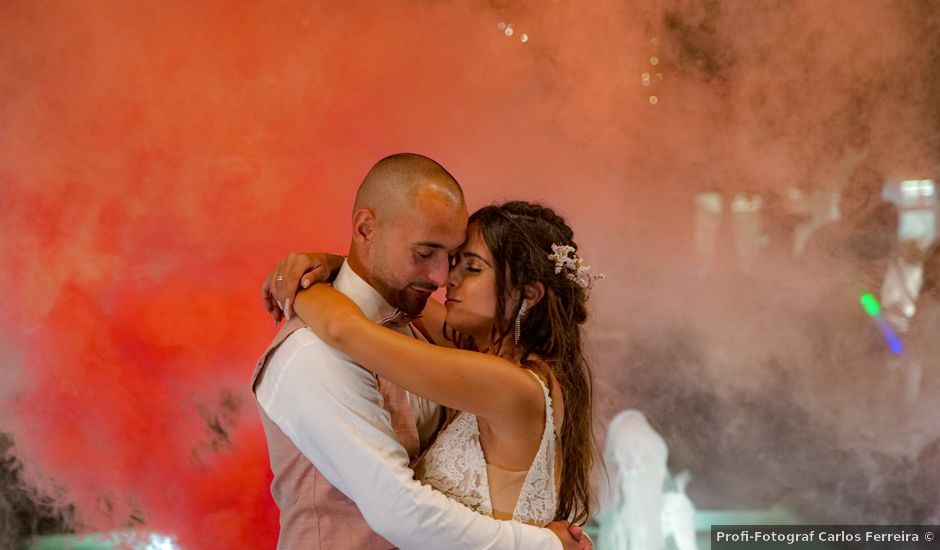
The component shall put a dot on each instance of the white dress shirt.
(332, 411)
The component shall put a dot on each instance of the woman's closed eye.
(468, 265)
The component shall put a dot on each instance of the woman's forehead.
(475, 243)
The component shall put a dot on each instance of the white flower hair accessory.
(568, 261)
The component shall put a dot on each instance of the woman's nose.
(453, 278)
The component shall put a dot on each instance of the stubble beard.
(395, 295)
(399, 297)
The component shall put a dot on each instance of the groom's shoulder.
(303, 373)
(303, 366)
(304, 345)
(304, 349)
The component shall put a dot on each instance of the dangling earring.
(519, 321)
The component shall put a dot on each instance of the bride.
(509, 363)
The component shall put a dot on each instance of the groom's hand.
(292, 273)
(572, 537)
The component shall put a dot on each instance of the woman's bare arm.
(482, 384)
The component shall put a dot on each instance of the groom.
(340, 460)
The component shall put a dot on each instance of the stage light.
(873, 309)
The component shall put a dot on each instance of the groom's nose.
(439, 272)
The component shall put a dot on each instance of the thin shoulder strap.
(548, 396)
(549, 405)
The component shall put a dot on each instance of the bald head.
(408, 220)
(393, 186)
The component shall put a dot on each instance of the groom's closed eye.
(425, 252)
(428, 249)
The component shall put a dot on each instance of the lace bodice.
(454, 465)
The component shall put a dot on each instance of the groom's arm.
(329, 408)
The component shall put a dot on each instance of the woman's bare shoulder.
(546, 373)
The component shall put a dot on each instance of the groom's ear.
(532, 293)
(363, 225)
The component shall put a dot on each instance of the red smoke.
(156, 158)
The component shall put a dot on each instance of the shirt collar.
(372, 304)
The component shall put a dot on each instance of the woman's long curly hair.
(520, 236)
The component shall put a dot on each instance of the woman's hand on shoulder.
(290, 274)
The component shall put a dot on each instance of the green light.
(870, 304)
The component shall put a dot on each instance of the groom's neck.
(358, 266)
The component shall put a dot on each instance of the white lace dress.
(454, 465)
